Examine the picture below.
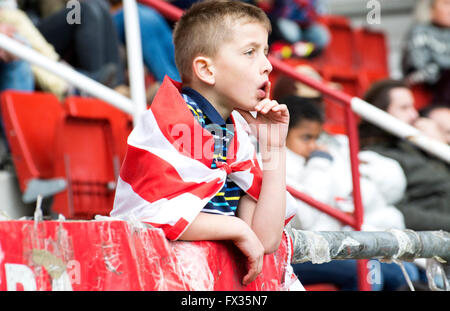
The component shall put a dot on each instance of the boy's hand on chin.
(271, 123)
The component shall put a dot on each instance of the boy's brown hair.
(207, 24)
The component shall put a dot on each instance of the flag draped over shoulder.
(166, 178)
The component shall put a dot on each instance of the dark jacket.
(426, 59)
(426, 203)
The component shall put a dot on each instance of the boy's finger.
(282, 109)
(268, 90)
(264, 102)
(250, 276)
(254, 269)
(269, 106)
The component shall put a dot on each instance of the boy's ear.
(204, 69)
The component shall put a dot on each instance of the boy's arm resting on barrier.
(219, 227)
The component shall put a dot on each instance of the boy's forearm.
(214, 227)
(270, 211)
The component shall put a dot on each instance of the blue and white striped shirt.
(226, 200)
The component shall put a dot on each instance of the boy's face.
(241, 67)
(302, 139)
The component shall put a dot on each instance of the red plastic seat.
(340, 52)
(373, 61)
(91, 146)
(372, 51)
(30, 121)
(85, 156)
(92, 108)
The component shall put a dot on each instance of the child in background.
(312, 169)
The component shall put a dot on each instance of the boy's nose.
(267, 66)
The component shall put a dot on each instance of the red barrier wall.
(115, 255)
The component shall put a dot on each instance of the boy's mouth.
(262, 90)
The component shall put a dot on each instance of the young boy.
(305, 126)
(190, 164)
(310, 168)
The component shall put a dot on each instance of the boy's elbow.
(271, 245)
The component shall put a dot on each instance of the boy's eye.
(250, 52)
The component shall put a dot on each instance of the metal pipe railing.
(392, 244)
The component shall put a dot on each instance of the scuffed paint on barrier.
(118, 255)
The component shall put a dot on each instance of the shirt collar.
(205, 106)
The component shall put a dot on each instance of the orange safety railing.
(355, 221)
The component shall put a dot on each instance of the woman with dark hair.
(426, 203)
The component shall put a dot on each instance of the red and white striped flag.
(166, 178)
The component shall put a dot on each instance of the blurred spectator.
(26, 33)
(38, 9)
(296, 22)
(285, 85)
(50, 7)
(156, 37)
(396, 98)
(426, 203)
(90, 46)
(14, 74)
(182, 4)
(440, 114)
(426, 57)
(322, 174)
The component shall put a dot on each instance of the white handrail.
(134, 54)
(400, 129)
(67, 73)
